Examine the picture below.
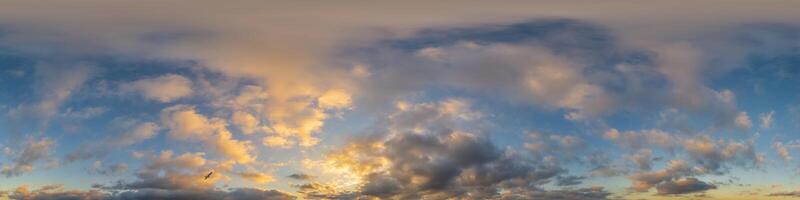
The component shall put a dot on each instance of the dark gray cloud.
(238, 193)
(57, 192)
(785, 194)
(569, 180)
(683, 186)
(445, 161)
(301, 176)
(593, 193)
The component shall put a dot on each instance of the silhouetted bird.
(208, 176)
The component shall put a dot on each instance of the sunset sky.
(399, 99)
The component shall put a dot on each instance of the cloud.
(642, 159)
(642, 182)
(115, 169)
(167, 171)
(135, 132)
(184, 123)
(683, 186)
(783, 150)
(57, 192)
(55, 84)
(167, 175)
(424, 151)
(743, 121)
(569, 180)
(766, 119)
(713, 156)
(246, 122)
(567, 147)
(785, 194)
(34, 150)
(257, 177)
(592, 193)
(165, 88)
(140, 133)
(301, 176)
(54, 192)
(84, 113)
(640, 139)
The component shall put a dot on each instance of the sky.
(399, 99)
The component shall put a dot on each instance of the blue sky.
(467, 100)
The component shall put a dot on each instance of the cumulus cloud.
(167, 171)
(642, 182)
(246, 122)
(642, 158)
(425, 151)
(184, 123)
(33, 151)
(569, 66)
(784, 149)
(165, 88)
(140, 133)
(743, 120)
(683, 186)
(714, 155)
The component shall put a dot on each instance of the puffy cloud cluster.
(170, 176)
(642, 182)
(683, 186)
(287, 121)
(713, 155)
(704, 156)
(165, 88)
(784, 149)
(184, 123)
(32, 151)
(425, 151)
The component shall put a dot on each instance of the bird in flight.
(208, 176)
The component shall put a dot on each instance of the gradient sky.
(399, 100)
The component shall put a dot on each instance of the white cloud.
(140, 133)
(24, 160)
(165, 88)
(766, 119)
(783, 150)
(743, 121)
